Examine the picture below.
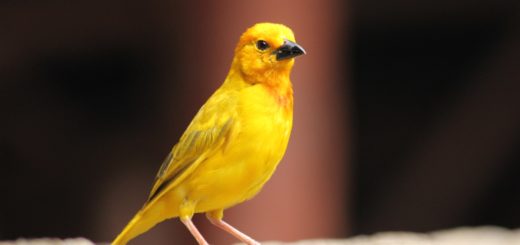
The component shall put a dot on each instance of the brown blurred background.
(406, 114)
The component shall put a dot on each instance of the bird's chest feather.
(264, 132)
(267, 119)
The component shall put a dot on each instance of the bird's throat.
(282, 94)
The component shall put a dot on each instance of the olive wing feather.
(207, 133)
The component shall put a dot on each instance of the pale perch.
(488, 235)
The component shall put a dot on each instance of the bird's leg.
(194, 231)
(215, 217)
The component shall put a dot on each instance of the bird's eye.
(262, 45)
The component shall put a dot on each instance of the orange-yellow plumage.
(235, 141)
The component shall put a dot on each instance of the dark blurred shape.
(437, 118)
(79, 92)
(106, 81)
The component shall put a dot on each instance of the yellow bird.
(234, 143)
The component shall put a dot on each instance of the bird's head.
(266, 51)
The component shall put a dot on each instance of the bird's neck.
(277, 78)
(277, 83)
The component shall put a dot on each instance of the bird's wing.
(208, 132)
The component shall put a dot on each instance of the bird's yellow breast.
(256, 145)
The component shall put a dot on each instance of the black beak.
(288, 50)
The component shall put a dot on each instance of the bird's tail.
(144, 220)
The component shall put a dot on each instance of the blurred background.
(406, 114)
